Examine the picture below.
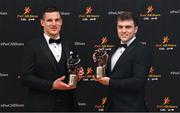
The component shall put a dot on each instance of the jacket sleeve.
(140, 68)
(27, 77)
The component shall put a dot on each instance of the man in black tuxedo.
(44, 67)
(127, 68)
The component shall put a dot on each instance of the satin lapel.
(109, 59)
(125, 53)
(65, 47)
(47, 51)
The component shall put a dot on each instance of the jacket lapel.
(47, 51)
(109, 59)
(65, 47)
(125, 53)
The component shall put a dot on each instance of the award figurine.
(100, 57)
(72, 65)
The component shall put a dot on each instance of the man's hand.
(80, 73)
(103, 80)
(60, 85)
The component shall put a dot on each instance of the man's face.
(126, 30)
(52, 23)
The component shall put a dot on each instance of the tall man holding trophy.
(127, 68)
(50, 67)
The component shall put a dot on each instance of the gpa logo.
(153, 76)
(89, 15)
(3, 75)
(149, 13)
(27, 15)
(167, 105)
(3, 13)
(165, 45)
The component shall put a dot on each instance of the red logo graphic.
(27, 10)
(150, 9)
(166, 101)
(152, 70)
(165, 40)
(88, 10)
(89, 71)
(103, 101)
(104, 40)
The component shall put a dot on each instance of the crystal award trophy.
(72, 65)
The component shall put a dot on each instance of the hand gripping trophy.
(100, 57)
(73, 65)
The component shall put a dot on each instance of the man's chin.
(124, 39)
(54, 34)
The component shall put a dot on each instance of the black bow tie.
(54, 41)
(122, 45)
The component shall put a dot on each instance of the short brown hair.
(49, 8)
(127, 15)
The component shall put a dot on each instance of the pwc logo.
(104, 43)
(150, 9)
(165, 44)
(88, 74)
(166, 101)
(88, 10)
(100, 106)
(167, 105)
(89, 71)
(150, 13)
(104, 40)
(153, 76)
(27, 10)
(88, 15)
(27, 15)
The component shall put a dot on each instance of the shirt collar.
(130, 41)
(47, 38)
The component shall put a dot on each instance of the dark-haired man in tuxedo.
(44, 67)
(127, 68)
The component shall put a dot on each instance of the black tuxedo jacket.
(126, 91)
(39, 70)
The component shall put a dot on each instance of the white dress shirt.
(118, 53)
(56, 49)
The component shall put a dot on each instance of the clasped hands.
(58, 84)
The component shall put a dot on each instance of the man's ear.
(42, 22)
(136, 29)
(61, 21)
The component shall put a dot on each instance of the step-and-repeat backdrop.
(91, 24)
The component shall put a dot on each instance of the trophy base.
(100, 71)
(72, 80)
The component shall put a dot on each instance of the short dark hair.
(49, 9)
(127, 15)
